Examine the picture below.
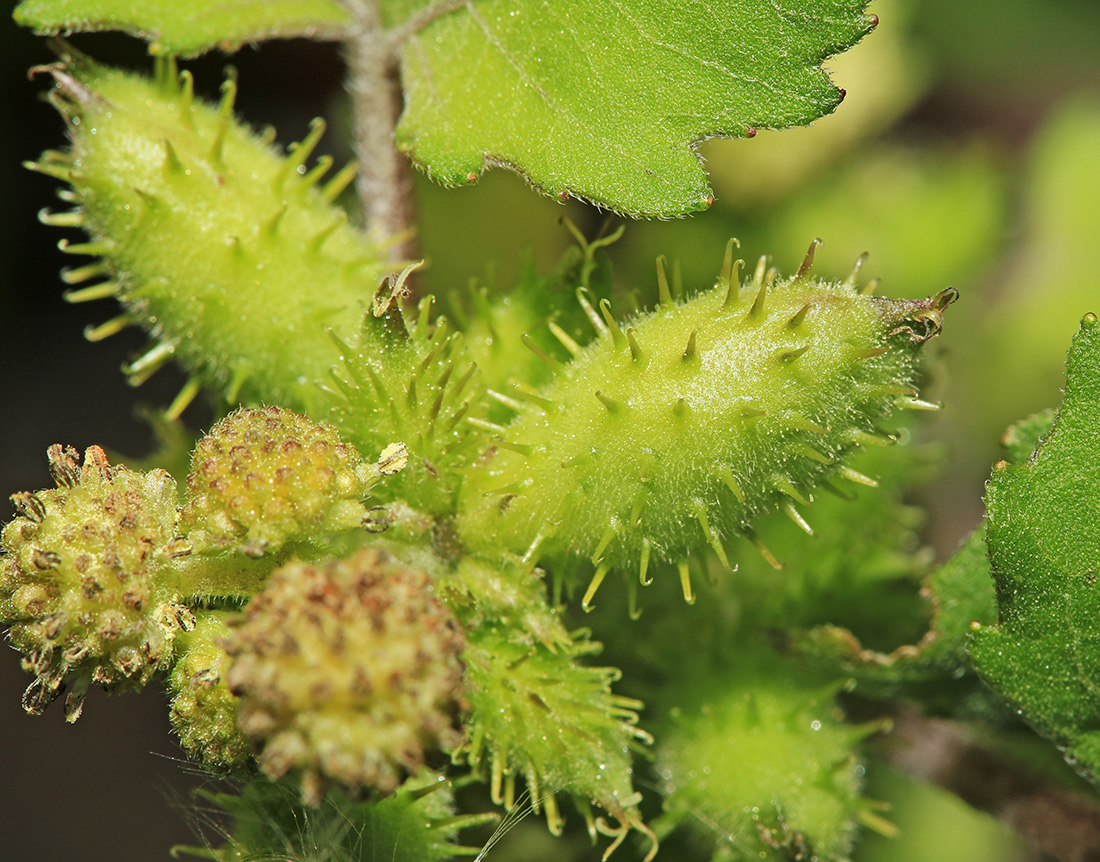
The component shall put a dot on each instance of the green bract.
(677, 428)
(763, 767)
(417, 824)
(197, 219)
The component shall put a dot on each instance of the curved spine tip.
(594, 584)
(93, 249)
(685, 582)
(510, 403)
(617, 336)
(808, 261)
(791, 512)
(768, 556)
(791, 355)
(866, 438)
(186, 96)
(109, 328)
(314, 243)
(733, 286)
(917, 404)
(548, 360)
(73, 218)
(857, 477)
(850, 281)
(605, 540)
(632, 609)
(271, 227)
(590, 312)
(79, 274)
(172, 163)
(806, 451)
(700, 511)
(784, 485)
(726, 475)
(757, 311)
(798, 317)
(336, 184)
(104, 290)
(607, 401)
(145, 366)
(726, 272)
(523, 449)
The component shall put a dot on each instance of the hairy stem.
(422, 19)
(385, 182)
(227, 574)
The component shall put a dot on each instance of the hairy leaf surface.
(1044, 543)
(604, 100)
(188, 28)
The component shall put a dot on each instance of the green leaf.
(1044, 543)
(189, 28)
(1022, 438)
(604, 100)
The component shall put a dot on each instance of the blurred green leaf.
(884, 78)
(189, 28)
(930, 217)
(1022, 438)
(1044, 543)
(605, 100)
(1048, 283)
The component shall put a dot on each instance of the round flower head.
(347, 671)
(265, 476)
(204, 710)
(87, 583)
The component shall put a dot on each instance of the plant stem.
(385, 182)
(227, 574)
(422, 19)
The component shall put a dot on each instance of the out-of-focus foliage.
(1048, 282)
(882, 81)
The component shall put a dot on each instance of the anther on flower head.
(348, 672)
(266, 476)
(85, 584)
